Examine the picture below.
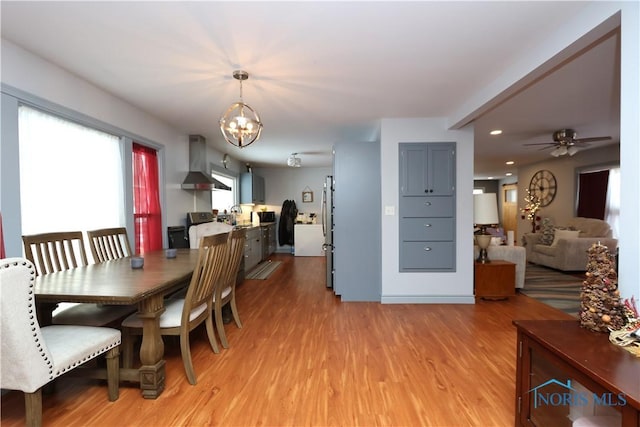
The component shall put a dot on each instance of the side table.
(495, 280)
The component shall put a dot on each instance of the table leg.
(152, 371)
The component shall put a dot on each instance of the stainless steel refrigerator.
(327, 226)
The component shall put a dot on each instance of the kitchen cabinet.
(268, 239)
(252, 248)
(427, 203)
(252, 190)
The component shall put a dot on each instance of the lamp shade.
(485, 209)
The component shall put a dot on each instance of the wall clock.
(543, 185)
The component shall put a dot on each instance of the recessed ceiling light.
(510, 162)
(495, 132)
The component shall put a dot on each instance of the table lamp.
(485, 213)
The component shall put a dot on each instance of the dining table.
(116, 282)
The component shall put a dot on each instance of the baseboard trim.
(420, 299)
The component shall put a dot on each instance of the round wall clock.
(543, 185)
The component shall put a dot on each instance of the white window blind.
(71, 176)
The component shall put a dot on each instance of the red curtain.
(146, 200)
(592, 194)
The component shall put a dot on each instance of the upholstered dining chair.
(59, 251)
(109, 243)
(182, 315)
(33, 356)
(226, 292)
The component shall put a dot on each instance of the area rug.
(554, 288)
(263, 270)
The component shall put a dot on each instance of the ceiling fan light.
(572, 150)
(556, 152)
(562, 150)
(293, 161)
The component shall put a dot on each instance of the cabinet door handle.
(427, 203)
(427, 225)
(427, 248)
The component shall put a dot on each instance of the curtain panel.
(146, 199)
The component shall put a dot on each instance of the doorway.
(510, 208)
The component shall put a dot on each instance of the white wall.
(445, 287)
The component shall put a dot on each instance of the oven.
(195, 218)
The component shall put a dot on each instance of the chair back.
(208, 272)
(206, 229)
(109, 243)
(236, 252)
(26, 362)
(52, 252)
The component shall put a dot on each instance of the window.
(146, 200)
(224, 199)
(71, 176)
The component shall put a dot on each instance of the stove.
(195, 218)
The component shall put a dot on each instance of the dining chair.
(225, 293)
(182, 315)
(60, 251)
(109, 243)
(52, 252)
(33, 356)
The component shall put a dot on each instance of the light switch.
(389, 210)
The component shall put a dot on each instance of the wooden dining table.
(115, 282)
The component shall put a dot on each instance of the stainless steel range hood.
(198, 178)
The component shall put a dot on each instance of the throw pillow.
(547, 232)
(564, 234)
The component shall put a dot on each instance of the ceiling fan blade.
(593, 139)
(542, 143)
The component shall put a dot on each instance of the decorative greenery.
(530, 209)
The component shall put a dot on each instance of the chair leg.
(113, 373)
(234, 311)
(33, 408)
(211, 334)
(220, 325)
(185, 350)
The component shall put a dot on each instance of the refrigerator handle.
(324, 210)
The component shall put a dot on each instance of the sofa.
(565, 247)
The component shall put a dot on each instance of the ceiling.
(322, 72)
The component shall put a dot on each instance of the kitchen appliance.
(327, 227)
(195, 218)
(177, 236)
(266, 216)
(199, 178)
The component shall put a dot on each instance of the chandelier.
(293, 161)
(240, 124)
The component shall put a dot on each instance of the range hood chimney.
(198, 178)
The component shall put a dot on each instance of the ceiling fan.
(565, 142)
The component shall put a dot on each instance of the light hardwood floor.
(304, 358)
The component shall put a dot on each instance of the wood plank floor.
(304, 358)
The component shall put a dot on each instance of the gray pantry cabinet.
(357, 221)
(427, 206)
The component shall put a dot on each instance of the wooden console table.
(495, 280)
(569, 376)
